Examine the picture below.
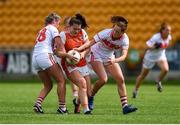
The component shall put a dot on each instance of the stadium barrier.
(17, 64)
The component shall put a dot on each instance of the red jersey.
(76, 41)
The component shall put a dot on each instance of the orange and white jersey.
(44, 40)
(105, 45)
(156, 54)
(71, 42)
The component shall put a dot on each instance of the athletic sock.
(124, 101)
(39, 101)
(75, 94)
(85, 107)
(62, 105)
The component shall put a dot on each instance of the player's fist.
(158, 45)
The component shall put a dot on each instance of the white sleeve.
(85, 36)
(100, 36)
(152, 41)
(54, 31)
(170, 37)
(125, 43)
(63, 37)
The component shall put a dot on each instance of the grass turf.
(17, 99)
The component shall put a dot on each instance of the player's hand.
(110, 61)
(157, 45)
(82, 55)
(72, 57)
(77, 49)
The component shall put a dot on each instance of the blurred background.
(21, 20)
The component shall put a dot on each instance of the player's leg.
(85, 73)
(89, 85)
(139, 79)
(99, 69)
(76, 100)
(147, 65)
(79, 80)
(89, 92)
(163, 65)
(116, 73)
(56, 72)
(45, 78)
(74, 90)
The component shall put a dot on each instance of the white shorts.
(149, 64)
(84, 70)
(43, 61)
(97, 57)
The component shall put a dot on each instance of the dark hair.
(51, 17)
(78, 19)
(118, 19)
(163, 26)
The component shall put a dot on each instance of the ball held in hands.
(76, 55)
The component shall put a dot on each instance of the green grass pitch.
(17, 99)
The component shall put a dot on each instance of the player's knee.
(61, 81)
(82, 84)
(61, 84)
(121, 81)
(165, 70)
(103, 80)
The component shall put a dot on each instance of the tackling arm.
(123, 56)
(86, 45)
(59, 49)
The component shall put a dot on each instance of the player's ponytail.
(82, 19)
(78, 19)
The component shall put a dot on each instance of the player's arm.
(162, 45)
(122, 57)
(85, 52)
(59, 49)
(156, 45)
(119, 59)
(86, 45)
(153, 43)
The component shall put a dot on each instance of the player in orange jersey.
(79, 73)
(73, 86)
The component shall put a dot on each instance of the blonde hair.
(51, 17)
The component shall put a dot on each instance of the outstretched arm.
(86, 45)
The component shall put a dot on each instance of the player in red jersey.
(79, 73)
(73, 86)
